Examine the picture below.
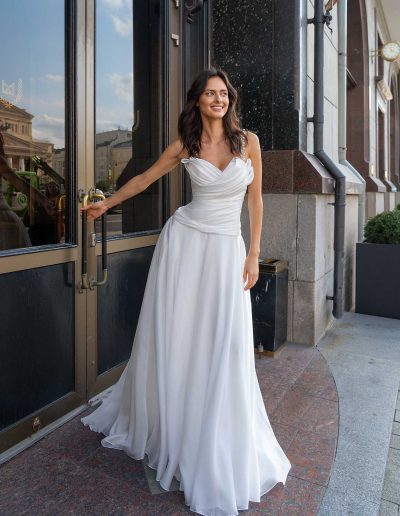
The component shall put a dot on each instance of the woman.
(189, 397)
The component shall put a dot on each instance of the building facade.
(276, 81)
(97, 107)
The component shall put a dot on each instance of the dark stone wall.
(261, 44)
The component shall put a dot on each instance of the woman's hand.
(94, 210)
(250, 271)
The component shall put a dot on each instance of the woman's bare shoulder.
(178, 148)
(252, 137)
(253, 143)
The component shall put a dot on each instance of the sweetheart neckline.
(217, 168)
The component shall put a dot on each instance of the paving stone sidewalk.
(334, 409)
(69, 472)
(363, 353)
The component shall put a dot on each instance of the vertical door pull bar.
(84, 285)
(98, 195)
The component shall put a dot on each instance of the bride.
(189, 397)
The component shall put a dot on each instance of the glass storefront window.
(33, 176)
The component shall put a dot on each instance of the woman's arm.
(255, 207)
(168, 160)
(254, 195)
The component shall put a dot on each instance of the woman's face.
(214, 101)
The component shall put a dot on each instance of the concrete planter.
(378, 279)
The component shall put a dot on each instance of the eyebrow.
(210, 89)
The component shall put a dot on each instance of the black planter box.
(378, 279)
(269, 299)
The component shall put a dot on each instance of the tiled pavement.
(69, 472)
(363, 354)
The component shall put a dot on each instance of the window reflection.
(128, 81)
(32, 125)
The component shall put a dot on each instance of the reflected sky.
(114, 65)
(32, 64)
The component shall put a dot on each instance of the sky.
(32, 66)
(114, 64)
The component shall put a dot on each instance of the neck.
(213, 131)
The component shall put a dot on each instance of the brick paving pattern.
(69, 472)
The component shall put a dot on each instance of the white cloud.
(35, 104)
(54, 77)
(123, 86)
(122, 27)
(109, 118)
(50, 129)
(116, 4)
(108, 125)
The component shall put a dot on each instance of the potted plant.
(378, 266)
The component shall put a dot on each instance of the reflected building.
(121, 153)
(19, 145)
(29, 186)
(106, 155)
(58, 161)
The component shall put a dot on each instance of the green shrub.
(383, 228)
(398, 206)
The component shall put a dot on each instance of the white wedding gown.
(189, 396)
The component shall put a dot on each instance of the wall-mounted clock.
(390, 51)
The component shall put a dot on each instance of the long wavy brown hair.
(190, 125)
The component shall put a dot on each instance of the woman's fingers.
(252, 279)
(93, 211)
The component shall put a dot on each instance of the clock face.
(391, 51)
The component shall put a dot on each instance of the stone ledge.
(296, 171)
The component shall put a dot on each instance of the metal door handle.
(136, 123)
(84, 285)
(60, 224)
(98, 194)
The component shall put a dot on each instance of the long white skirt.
(189, 396)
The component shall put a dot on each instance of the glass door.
(135, 87)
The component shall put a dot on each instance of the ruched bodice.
(217, 195)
